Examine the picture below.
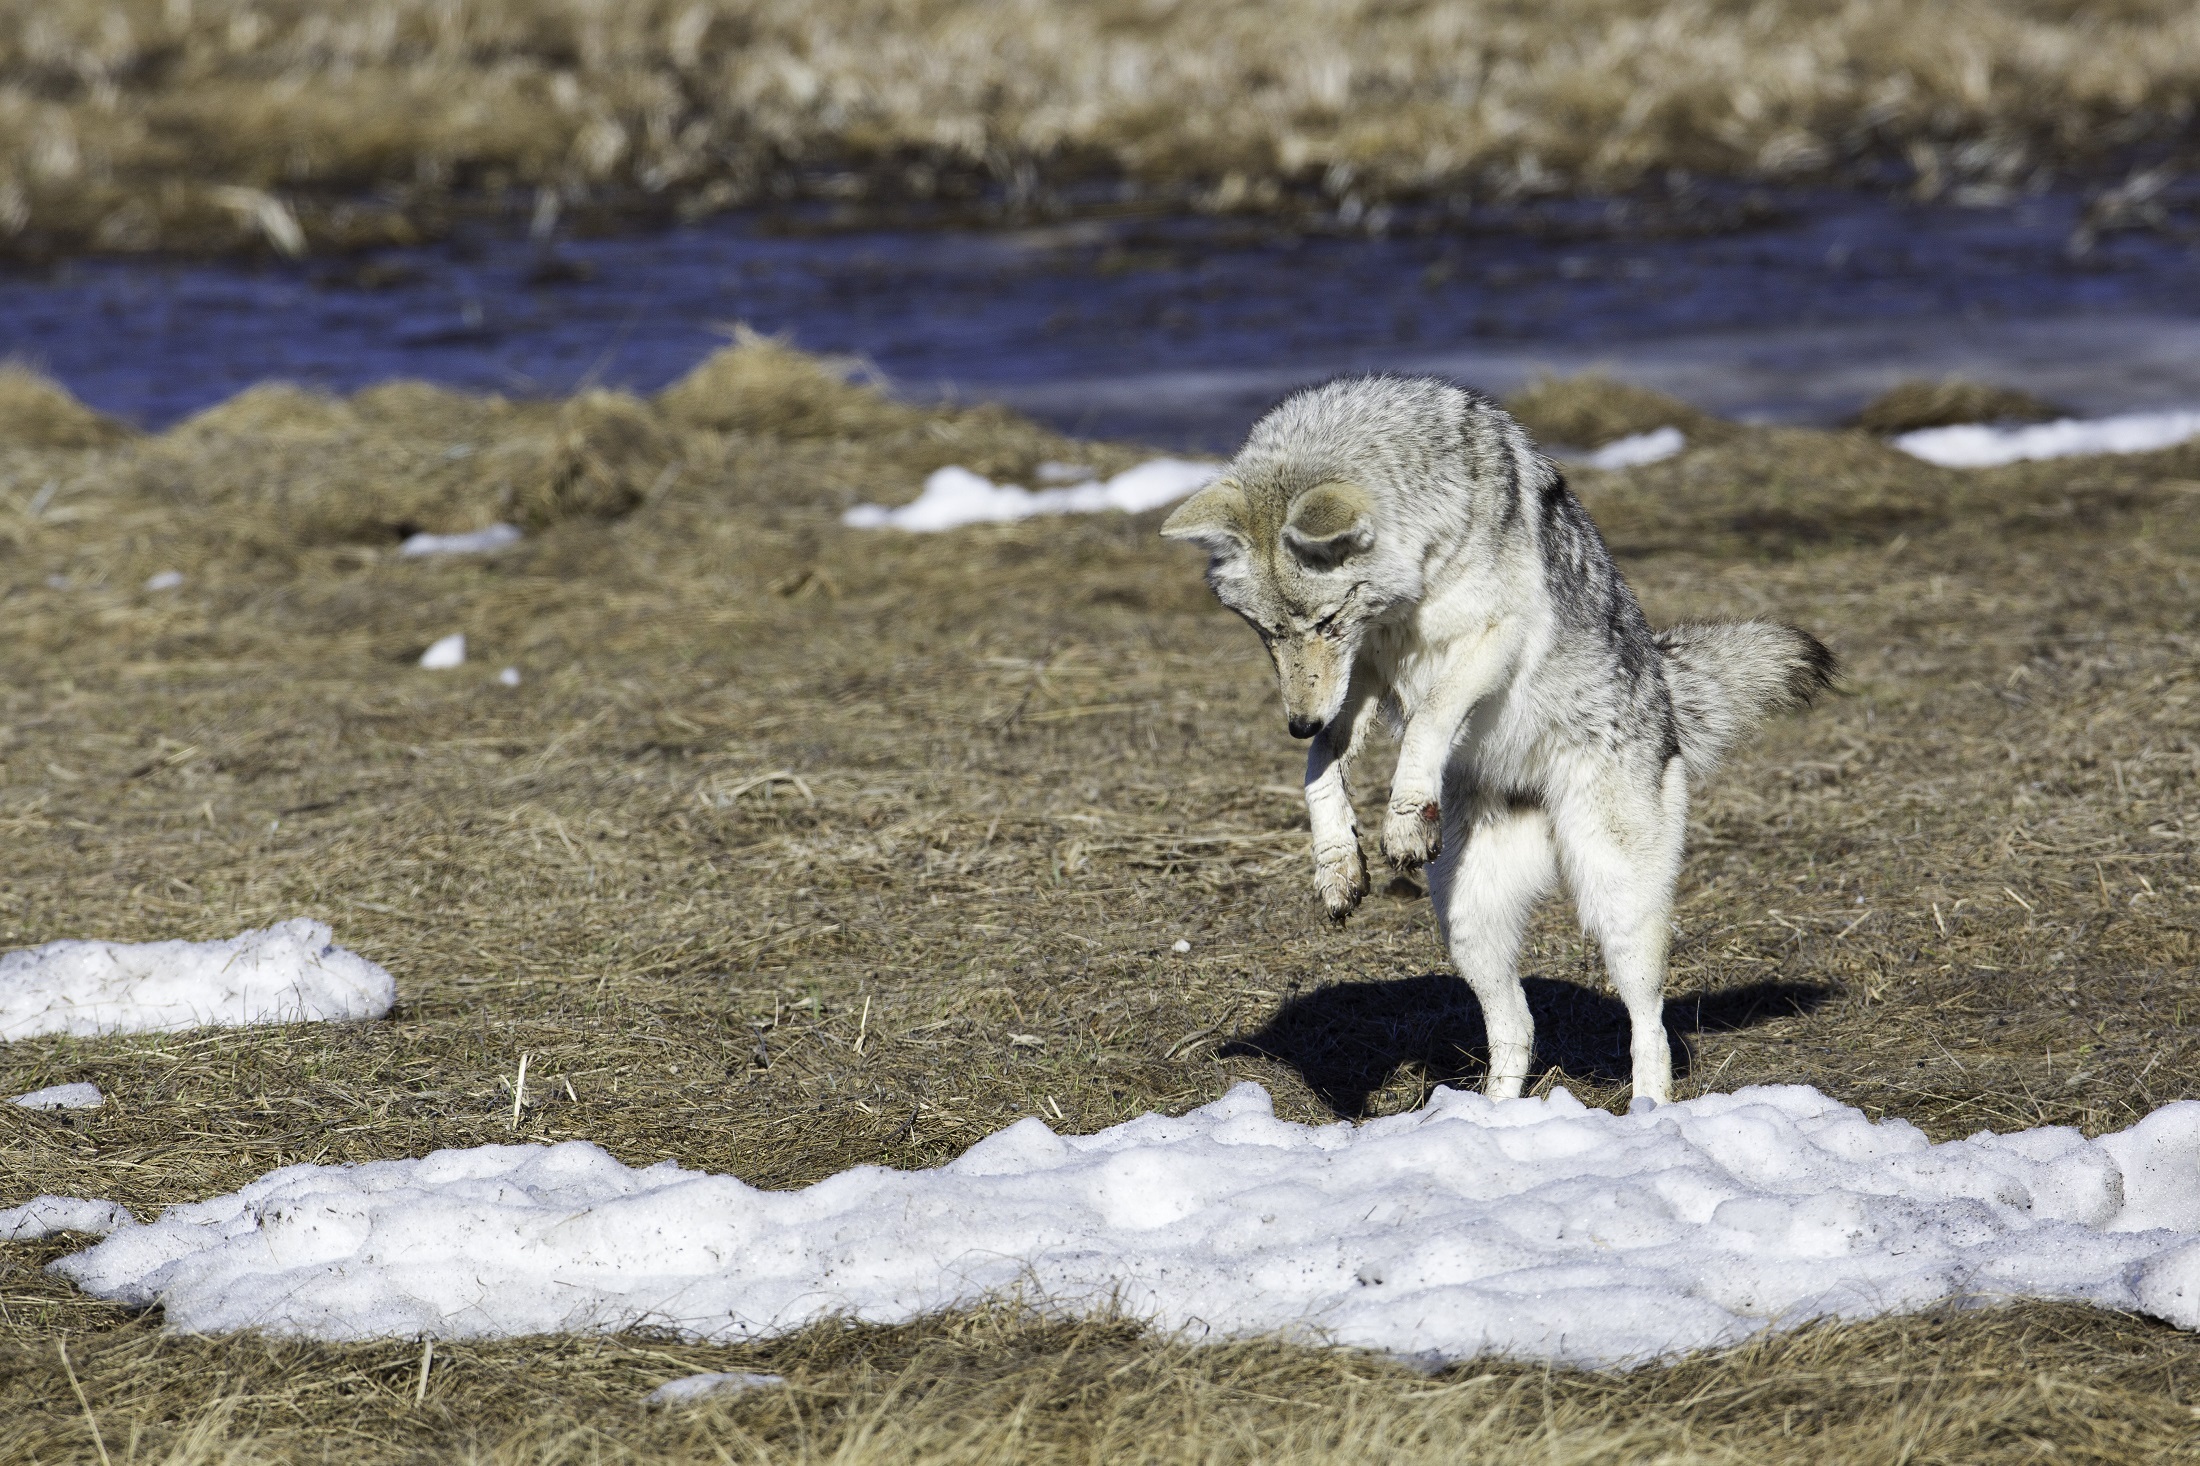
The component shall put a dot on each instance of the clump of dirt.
(1917, 403)
(38, 412)
(1592, 409)
(760, 384)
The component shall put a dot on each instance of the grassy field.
(300, 124)
(768, 785)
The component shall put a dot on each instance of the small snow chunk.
(474, 542)
(509, 677)
(1982, 445)
(445, 653)
(62, 1097)
(165, 580)
(709, 1386)
(42, 1216)
(1637, 449)
(1182, 946)
(954, 497)
(287, 973)
(1535, 1228)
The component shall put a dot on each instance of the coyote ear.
(1213, 518)
(1329, 524)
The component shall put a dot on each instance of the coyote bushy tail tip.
(1726, 677)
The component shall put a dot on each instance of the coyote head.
(1291, 564)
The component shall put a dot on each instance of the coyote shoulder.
(1406, 554)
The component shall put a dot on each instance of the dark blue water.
(1177, 330)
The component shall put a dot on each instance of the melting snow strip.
(1979, 445)
(707, 1386)
(495, 537)
(62, 1097)
(43, 1216)
(287, 973)
(954, 497)
(1535, 1228)
(1637, 449)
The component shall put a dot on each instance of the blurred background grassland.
(291, 125)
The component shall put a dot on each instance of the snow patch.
(445, 653)
(62, 1097)
(1636, 449)
(954, 497)
(164, 580)
(43, 1216)
(287, 973)
(1536, 1228)
(705, 1386)
(474, 542)
(1979, 445)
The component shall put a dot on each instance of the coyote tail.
(1726, 677)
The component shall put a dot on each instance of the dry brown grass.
(764, 773)
(37, 413)
(293, 124)
(1917, 403)
(1593, 409)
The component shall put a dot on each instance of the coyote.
(1406, 554)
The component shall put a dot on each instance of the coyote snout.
(1314, 678)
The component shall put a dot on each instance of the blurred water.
(1178, 331)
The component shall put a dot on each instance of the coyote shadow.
(1350, 1039)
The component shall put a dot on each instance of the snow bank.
(474, 542)
(956, 496)
(1977, 445)
(1637, 449)
(1532, 1227)
(62, 1097)
(286, 973)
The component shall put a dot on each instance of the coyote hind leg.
(1497, 862)
(1621, 846)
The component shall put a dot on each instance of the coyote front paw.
(1413, 835)
(1340, 875)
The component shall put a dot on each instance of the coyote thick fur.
(1407, 555)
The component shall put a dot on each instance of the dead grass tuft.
(278, 410)
(760, 384)
(769, 784)
(1908, 406)
(38, 412)
(1590, 410)
(608, 452)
